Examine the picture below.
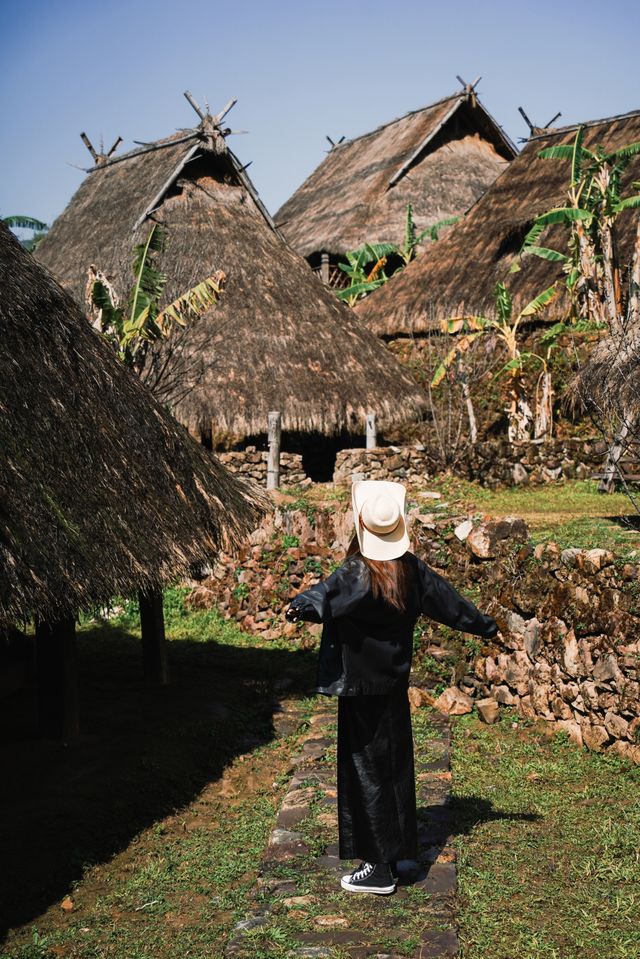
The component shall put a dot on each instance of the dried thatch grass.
(278, 340)
(361, 189)
(608, 385)
(457, 274)
(103, 493)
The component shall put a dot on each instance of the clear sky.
(300, 70)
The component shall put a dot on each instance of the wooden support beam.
(57, 680)
(273, 462)
(154, 644)
(324, 268)
(372, 436)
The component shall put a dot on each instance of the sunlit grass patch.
(548, 846)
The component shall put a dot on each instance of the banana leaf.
(112, 316)
(630, 150)
(360, 289)
(434, 230)
(25, 223)
(562, 214)
(459, 324)
(538, 304)
(629, 203)
(546, 253)
(461, 346)
(149, 282)
(504, 303)
(192, 304)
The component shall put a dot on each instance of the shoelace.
(363, 871)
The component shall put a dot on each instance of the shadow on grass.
(628, 522)
(438, 825)
(144, 752)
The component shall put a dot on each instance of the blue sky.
(299, 70)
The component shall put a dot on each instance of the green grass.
(548, 846)
(571, 513)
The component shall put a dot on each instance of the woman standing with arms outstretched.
(369, 607)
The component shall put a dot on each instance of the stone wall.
(492, 463)
(569, 650)
(252, 462)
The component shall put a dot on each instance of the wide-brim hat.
(378, 514)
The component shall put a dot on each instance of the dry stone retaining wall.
(252, 462)
(492, 463)
(568, 651)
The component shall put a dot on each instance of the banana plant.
(505, 326)
(594, 201)
(412, 240)
(365, 266)
(365, 269)
(38, 228)
(133, 328)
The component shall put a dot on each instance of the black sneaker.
(370, 877)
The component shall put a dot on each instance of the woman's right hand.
(292, 615)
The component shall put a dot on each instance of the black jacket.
(366, 645)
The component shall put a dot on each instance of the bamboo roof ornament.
(534, 130)
(440, 159)
(100, 156)
(277, 339)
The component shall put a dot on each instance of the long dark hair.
(390, 578)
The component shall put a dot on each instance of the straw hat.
(378, 514)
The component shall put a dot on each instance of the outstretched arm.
(338, 595)
(440, 601)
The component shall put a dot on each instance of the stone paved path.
(299, 908)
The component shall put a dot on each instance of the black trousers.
(376, 779)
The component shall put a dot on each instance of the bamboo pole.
(372, 436)
(273, 462)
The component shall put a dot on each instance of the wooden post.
(372, 437)
(273, 462)
(57, 679)
(324, 268)
(154, 645)
(620, 442)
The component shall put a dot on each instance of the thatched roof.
(458, 273)
(608, 384)
(102, 493)
(440, 159)
(278, 340)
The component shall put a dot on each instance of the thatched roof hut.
(458, 273)
(278, 340)
(440, 159)
(103, 493)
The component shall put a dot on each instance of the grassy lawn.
(549, 851)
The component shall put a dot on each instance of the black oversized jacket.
(366, 645)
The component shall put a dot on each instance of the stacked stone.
(405, 464)
(568, 651)
(290, 551)
(493, 463)
(252, 462)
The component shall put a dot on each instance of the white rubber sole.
(379, 890)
